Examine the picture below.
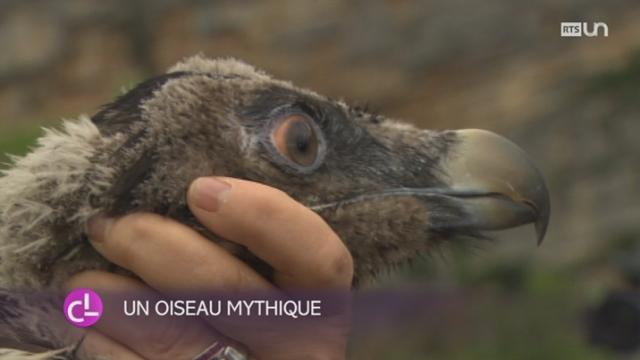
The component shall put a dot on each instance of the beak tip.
(540, 233)
(541, 225)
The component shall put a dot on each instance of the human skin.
(302, 249)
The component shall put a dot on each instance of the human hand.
(169, 257)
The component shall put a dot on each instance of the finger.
(300, 246)
(97, 346)
(150, 245)
(152, 337)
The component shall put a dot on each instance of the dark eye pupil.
(301, 143)
(298, 136)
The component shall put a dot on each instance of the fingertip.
(98, 228)
(209, 193)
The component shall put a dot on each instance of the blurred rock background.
(572, 103)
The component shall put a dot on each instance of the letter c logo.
(83, 307)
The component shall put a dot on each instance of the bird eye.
(296, 139)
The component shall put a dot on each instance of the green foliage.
(623, 79)
(16, 141)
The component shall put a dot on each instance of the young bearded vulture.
(390, 190)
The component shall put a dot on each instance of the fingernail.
(209, 193)
(98, 228)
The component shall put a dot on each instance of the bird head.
(390, 190)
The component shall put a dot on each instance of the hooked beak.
(496, 183)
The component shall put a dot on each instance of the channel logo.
(580, 29)
(83, 307)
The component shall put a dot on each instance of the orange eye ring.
(296, 139)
